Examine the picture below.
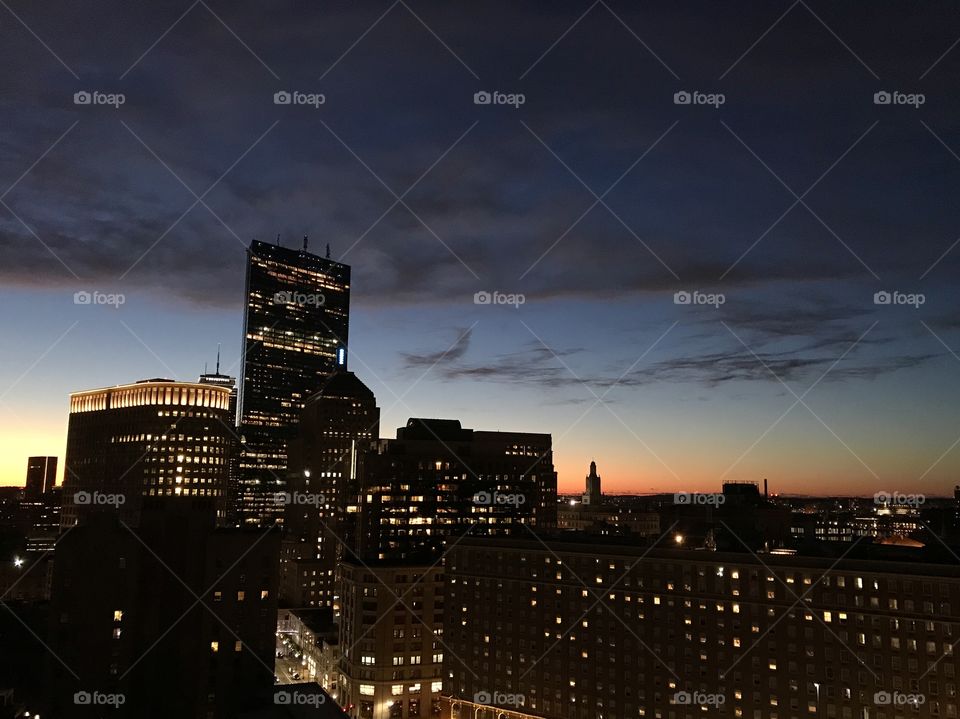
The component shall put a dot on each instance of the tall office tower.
(342, 417)
(177, 617)
(593, 495)
(570, 630)
(295, 333)
(233, 460)
(152, 438)
(418, 495)
(41, 476)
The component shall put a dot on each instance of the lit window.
(118, 615)
(214, 647)
(366, 690)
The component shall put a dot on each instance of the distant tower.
(593, 495)
(41, 476)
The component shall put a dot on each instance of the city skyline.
(795, 216)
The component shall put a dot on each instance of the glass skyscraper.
(295, 333)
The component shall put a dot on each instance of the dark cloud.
(499, 200)
(835, 357)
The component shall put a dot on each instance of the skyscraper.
(295, 333)
(233, 463)
(41, 476)
(151, 438)
(336, 422)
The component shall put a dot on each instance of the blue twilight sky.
(598, 198)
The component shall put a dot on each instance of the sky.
(586, 195)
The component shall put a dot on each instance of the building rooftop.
(864, 557)
(342, 383)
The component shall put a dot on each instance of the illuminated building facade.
(567, 630)
(391, 632)
(419, 493)
(155, 438)
(337, 421)
(295, 333)
(437, 480)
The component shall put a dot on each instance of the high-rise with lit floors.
(419, 495)
(155, 438)
(295, 333)
(336, 422)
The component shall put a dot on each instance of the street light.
(17, 562)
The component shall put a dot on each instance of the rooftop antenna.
(328, 250)
(218, 358)
(304, 243)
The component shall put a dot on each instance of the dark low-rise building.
(173, 618)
